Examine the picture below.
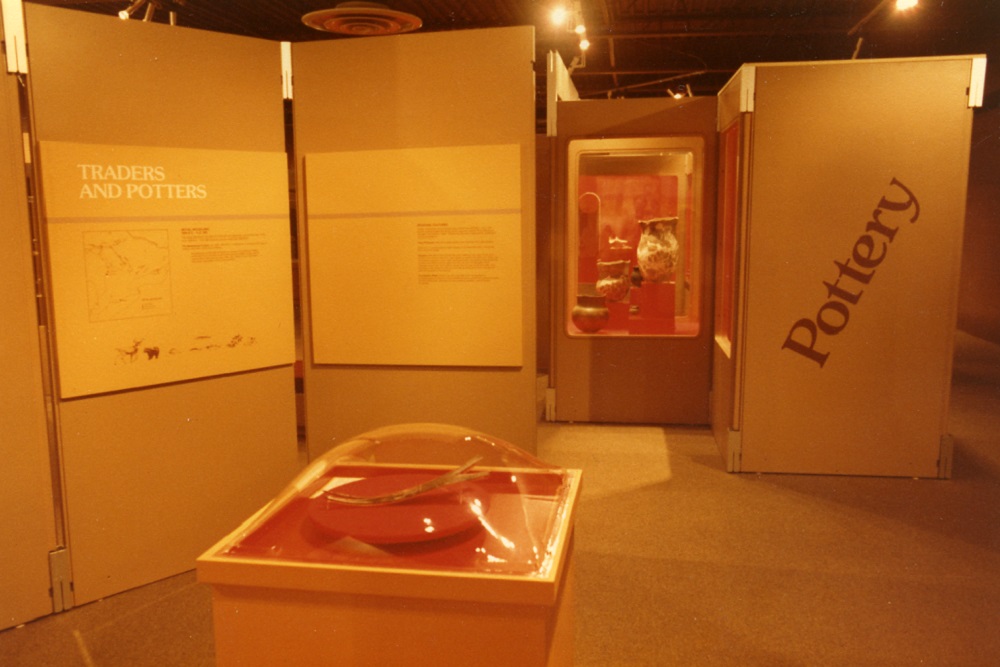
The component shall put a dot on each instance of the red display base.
(618, 316)
(655, 303)
(307, 530)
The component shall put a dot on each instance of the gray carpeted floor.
(680, 563)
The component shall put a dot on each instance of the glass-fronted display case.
(634, 230)
(427, 497)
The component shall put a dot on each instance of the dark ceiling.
(641, 47)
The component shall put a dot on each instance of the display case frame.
(634, 187)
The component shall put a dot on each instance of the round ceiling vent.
(362, 19)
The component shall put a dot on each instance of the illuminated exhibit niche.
(634, 225)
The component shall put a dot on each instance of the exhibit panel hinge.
(734, 451)
(977, 81)
(15, 48)
(945, 456)
(286, 70)
(61, 576)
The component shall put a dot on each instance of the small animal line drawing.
(129, 354)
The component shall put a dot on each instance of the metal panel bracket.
(61, 576)
(946, 456)
(734, 451)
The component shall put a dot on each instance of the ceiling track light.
(151, 7)
(901, 5)
(126, 13)
(657, 82)
(572, 19)
(680, 93)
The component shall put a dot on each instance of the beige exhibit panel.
(423, 92)
(415, 256)
(843, 206)
(167, 264)
(460, 556)
(153, 474)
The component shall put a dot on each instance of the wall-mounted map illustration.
(128, 273)
(166, 264)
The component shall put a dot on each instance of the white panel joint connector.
(977, 81)
(747, 91)
(13, 36)
(286, 70)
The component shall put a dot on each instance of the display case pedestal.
(332, 624)
(476, 572)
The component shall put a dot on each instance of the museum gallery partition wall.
(842, 204)
(27, 517)
(163, 178)
(415, 165)
(628, 170)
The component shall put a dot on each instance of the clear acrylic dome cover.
(418, 496)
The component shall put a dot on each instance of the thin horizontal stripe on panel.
(170, 218)
(413, 214)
